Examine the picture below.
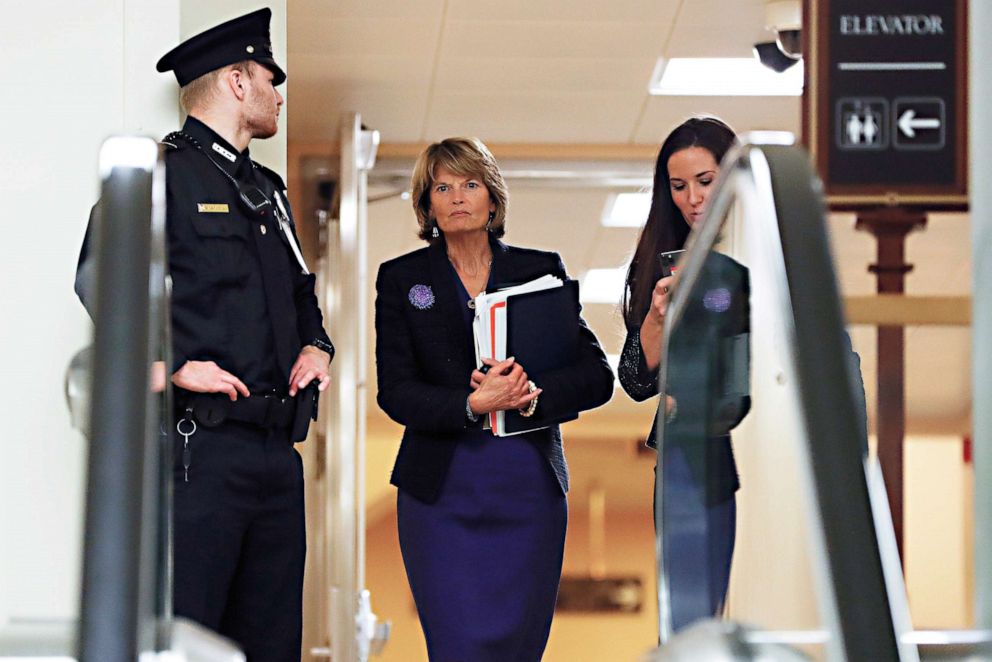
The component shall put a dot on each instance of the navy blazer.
(425, 357)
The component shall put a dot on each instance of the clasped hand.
(504, 386)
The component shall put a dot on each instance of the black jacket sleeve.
(637, 380)
(309, 320)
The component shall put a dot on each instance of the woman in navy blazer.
(481, 518)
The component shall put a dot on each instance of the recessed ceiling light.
(603, 285)
(626, 210)
(710, 76)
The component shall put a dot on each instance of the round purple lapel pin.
(421, 296)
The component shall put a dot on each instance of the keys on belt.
(270, 410)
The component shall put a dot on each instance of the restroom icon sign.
(862, 123)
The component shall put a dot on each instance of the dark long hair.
(666, 229)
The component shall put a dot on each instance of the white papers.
(489, 329)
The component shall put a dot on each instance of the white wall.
(75, 73)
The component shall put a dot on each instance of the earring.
(489, 223)
(434, 233)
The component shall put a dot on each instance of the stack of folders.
(537, 323)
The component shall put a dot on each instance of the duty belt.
(267, 411)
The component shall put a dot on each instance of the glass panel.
(735, 420)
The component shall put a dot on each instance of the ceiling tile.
(534, 117)
(307, 11)
(354, 38)
(553, 75)
(564, 10)
(557, 39)
(714, 41)
(374, 72)
(718, 15)
(664, 113)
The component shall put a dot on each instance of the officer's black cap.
(237, 40)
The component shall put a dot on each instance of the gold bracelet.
(532, 406)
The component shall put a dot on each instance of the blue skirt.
(484, 561)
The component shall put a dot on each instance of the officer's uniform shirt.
(239, 295)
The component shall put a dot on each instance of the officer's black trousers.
(240, 540)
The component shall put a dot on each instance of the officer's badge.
(212, 208)
(421, 296)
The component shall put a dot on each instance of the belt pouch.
(306, 411)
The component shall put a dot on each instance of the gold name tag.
(212, 208)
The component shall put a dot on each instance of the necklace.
(471, 301)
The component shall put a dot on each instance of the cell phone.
(669, 262)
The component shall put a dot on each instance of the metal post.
(346, 279)
(890, 227)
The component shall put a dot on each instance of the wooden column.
(890, 227)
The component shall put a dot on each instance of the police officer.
(249, 348)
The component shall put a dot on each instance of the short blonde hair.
(201, 90)
(465, 157)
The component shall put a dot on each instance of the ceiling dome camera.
(770, 55)
(790, 42)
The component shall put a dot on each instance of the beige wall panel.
(72, 84)
(940, 255)
(937, 534)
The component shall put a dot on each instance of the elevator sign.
(885, 110)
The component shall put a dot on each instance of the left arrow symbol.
(909, 123)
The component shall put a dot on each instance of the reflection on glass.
(708, 387)
(735, 424)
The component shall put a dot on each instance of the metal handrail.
(118, 598)
(782, 197)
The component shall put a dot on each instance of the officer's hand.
(208, 377)
(311, 364)
(158, 377)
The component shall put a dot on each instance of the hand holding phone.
(669, 262)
